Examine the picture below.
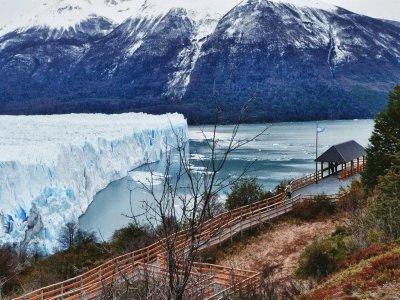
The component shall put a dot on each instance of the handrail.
(214, 231)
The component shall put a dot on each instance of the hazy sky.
(388, 9)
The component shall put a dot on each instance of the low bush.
(130, 238)
(63, 265)
(315, 208)
(323, 256)
(243, 192)
(353, 199)
(318, 260)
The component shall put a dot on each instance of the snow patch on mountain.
(138, 29)
(60, 15)
(187, 58)
(308, 3)
(68, 14)
(52, 166)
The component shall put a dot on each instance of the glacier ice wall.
(52, 166)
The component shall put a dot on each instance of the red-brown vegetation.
(363, 255)
(366, 272)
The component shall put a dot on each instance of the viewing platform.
(328, 185)
(339, 165)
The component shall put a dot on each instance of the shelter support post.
(322, 170)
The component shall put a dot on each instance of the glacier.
(52, 166)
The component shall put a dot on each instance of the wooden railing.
(350, 170)
(213, 232)
(305, 180)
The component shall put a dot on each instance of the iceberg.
(52, 166)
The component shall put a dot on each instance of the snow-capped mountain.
(180, 55)
(67, 14)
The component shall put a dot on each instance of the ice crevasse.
(52, 166)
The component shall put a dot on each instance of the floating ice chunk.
(147, 178)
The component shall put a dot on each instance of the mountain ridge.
(326, 62)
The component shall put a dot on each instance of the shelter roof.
(342, 153)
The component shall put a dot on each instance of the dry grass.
(279, 248)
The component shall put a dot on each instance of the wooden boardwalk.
(221, 281)
(332, 184)
(329, 185)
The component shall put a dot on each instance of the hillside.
(117, 56)
(278, 249)
(369, 274)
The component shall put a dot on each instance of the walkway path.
(327, 186)
(213, 232)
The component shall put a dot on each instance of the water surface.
(287, 150)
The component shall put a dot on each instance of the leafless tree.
(178, 213)
(354, 203)
(8, 270)
(68, 235)
(2, 283)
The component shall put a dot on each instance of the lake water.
(287, 150)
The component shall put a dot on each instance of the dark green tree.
(129, 238)
(384, 211)
(384, 142)
(243, 192)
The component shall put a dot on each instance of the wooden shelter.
(345, 159)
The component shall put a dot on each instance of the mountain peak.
(66, 14)
(306, 3)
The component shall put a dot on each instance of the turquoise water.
(287, 150)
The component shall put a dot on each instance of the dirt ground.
(278, 248)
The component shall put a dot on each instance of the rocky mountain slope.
(293, 59)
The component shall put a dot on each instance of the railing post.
(230, 233)
(220, 236)
(241, 223)
(116, 267)
(232, 277)
(251, 219)
(83, 295)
